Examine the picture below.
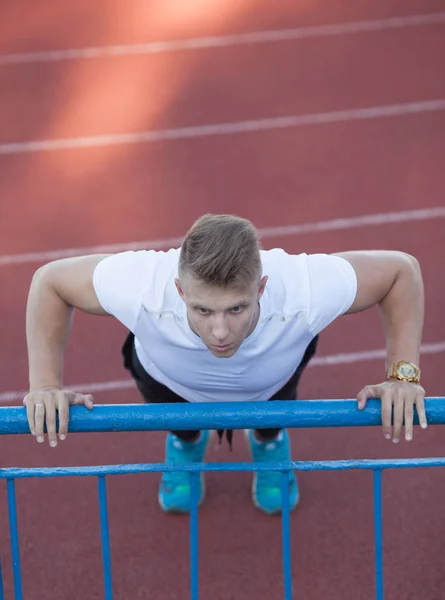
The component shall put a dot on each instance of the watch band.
(404, 371)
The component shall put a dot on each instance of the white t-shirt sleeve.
(332, 289)
(120, 281)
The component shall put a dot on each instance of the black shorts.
(154, 392)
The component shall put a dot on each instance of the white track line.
(86, 388)
(200, 131)
(266, 232)
(341, 359)
(256, 37)
(321, 361)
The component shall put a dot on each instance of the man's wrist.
(403, 370)
(52, 386)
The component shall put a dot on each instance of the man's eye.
(237, 309)
(203, 311)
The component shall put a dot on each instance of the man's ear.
(179, 288)
(262, 286)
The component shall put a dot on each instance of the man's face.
(221, 317)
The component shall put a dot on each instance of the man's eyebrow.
(242, 302)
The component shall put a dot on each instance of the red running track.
(118, 193)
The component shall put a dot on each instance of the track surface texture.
(122, 122)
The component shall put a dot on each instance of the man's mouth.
(222, 348)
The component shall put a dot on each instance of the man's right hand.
(42, 406)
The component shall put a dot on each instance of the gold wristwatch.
(404, 371)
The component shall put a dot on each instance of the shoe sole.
(178, 510)
(254, 480)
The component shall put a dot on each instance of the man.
(220, 319)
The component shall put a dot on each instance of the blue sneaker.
(174, 490)
(266, 485)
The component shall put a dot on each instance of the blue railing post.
(378, 534)
(13, 529)
(194, 540)
(106, 558)
(285, 532)
(2, 596)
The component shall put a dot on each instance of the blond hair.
(221, 250)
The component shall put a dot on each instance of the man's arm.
(56, 289)
(393, 281)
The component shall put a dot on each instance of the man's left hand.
(402, 396)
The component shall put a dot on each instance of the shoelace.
(273, 478)
(171, 479)
(229, 436)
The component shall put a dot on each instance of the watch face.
(407, 370)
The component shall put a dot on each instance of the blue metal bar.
(13, 531)
(2, 596)
(194, 499)
(219, 415)
(378, 537)
(323, 465)
(106, 559)
(285, 532)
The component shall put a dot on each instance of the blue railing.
(226, 415)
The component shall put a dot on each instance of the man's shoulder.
(137, 271)
(146, 255)
(278, 260)
(144, 261)
(287, 285)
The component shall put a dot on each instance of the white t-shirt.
(303, 294)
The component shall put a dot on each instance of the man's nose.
(220, 329)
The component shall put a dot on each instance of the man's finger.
(420, 405)
(63, 409)
(386, 414)
(364, 395)
(399, 401)
(50, 410)
(89, 403)
(29, 404)
(39, 416)
(409, 417)
(85, 399)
